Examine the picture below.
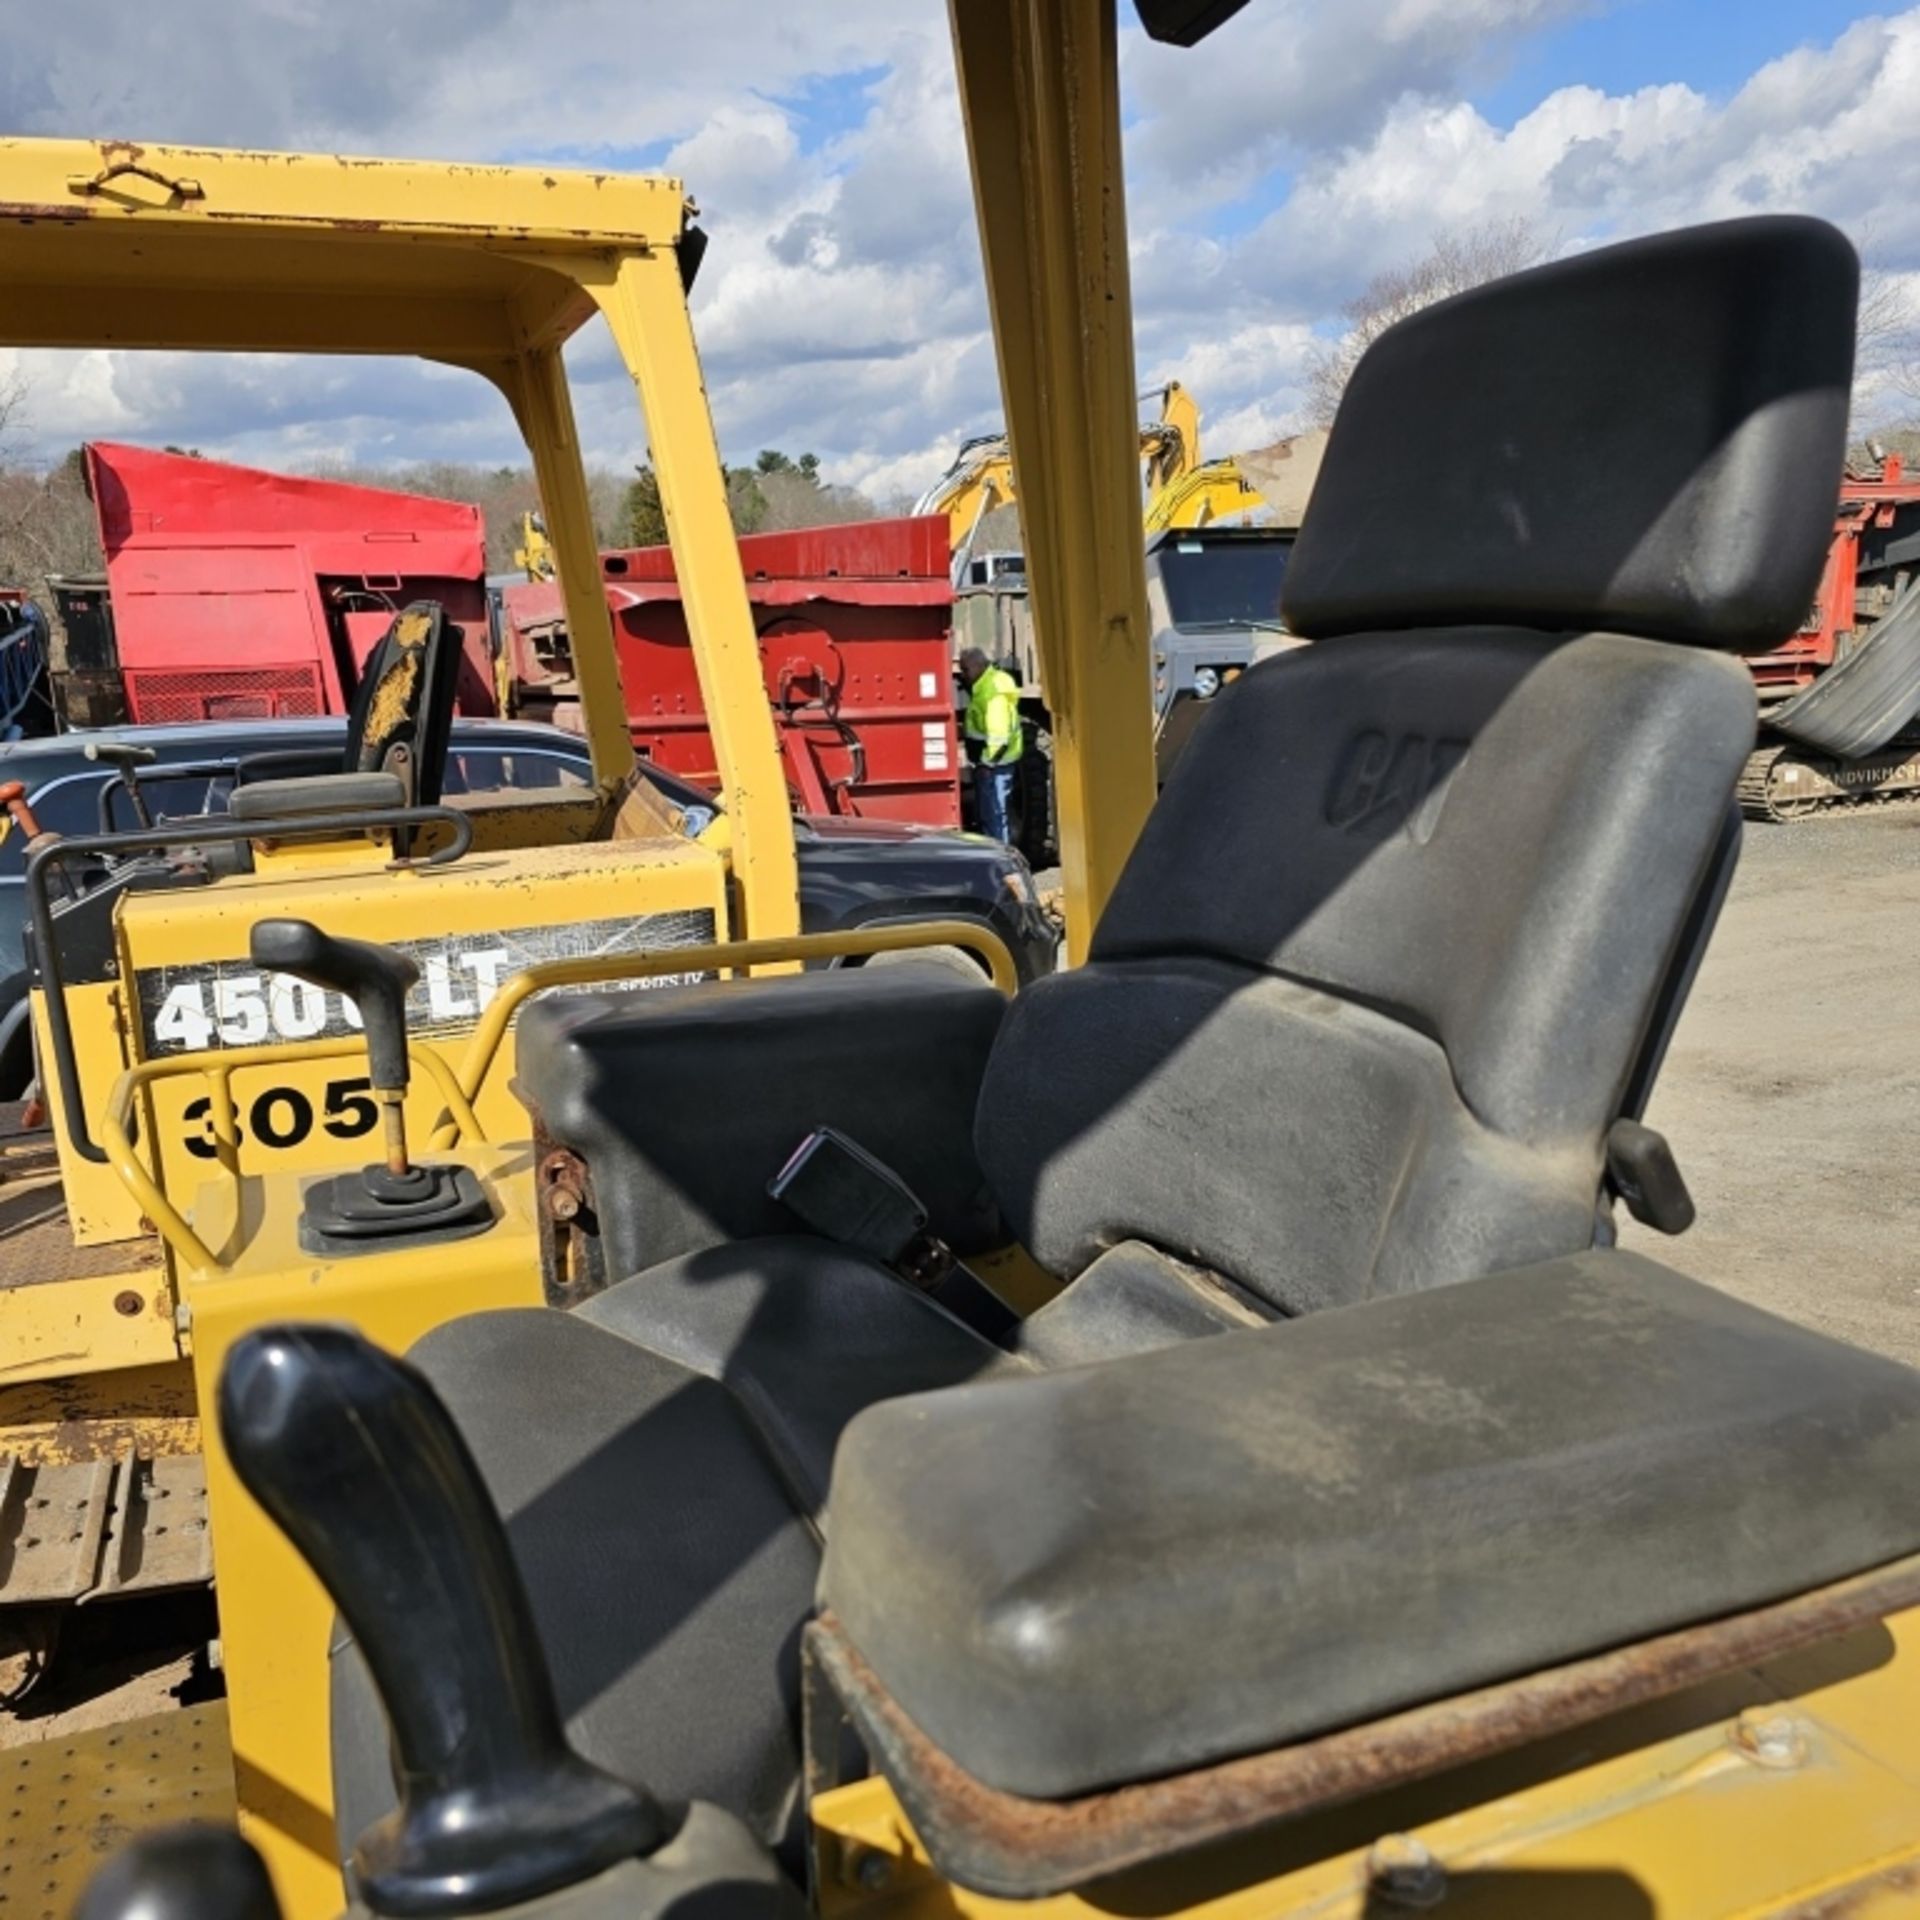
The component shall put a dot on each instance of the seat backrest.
(401, 716)
(1408, 925)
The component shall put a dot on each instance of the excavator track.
(1782, 782)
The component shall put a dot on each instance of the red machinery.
(1857, 587)
(242, 594)
(854, 639)
(1839, 699)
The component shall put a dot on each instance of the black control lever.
(377, 980)
(125, 756)
(181, 1873)
(353, 1455)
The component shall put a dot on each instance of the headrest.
(1646, 439)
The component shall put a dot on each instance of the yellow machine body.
(274, 1616)
(185, 984)
(1786, 1790)
(116, 244)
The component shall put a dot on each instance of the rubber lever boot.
(355, 1458)
(376, 979)
(181, 1873)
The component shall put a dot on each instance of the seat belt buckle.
(841, 1192)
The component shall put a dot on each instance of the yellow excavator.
(981, 476)
(534, 555)
(1349, 1526)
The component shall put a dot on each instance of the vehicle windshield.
(1225, 583)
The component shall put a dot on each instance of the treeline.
(47, 523)
(777, 492)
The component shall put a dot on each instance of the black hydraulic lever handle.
(375, 978)
(181, 1873)
(357, 1460)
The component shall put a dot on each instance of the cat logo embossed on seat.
(1383, 783)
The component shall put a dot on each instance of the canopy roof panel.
(113, 244)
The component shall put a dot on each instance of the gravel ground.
(1792, 1091)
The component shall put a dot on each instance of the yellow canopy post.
(1040, 88)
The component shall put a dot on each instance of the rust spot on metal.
(1018, 1848)
(29, 211)
(1863, 1896)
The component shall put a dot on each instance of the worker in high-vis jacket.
(995, 738)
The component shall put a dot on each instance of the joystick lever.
(377, 980)
(354, 1456)
(365, 1212)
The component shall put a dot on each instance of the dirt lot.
(1792, 1093)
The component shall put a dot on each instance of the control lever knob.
(13, 797)
(376, 979)
(181, 1873)
(354, 1456)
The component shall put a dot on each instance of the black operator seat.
(1398, 947)
(1401, 943)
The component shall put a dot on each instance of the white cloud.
(840, 307)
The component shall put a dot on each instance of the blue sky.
(1309, 146)
(1713, 45)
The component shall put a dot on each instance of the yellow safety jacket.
(993, 717)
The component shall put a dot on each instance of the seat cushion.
(685, 1101)
(804, 1333)
(668, 1570)
(1238, 1543)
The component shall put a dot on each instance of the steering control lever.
(377, 980)
(355, 1458)
(126, 757)
(367, 1211)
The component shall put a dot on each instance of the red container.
(239, 594)
(854, 624)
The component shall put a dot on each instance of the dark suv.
(852, 872)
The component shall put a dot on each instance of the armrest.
(682, 1103)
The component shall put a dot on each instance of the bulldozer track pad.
(101, 1529)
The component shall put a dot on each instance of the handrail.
(218, 1066)
(56, 850)
(461, 1089)
(846, 943)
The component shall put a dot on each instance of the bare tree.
(13, 405)
(47, 522)
(1886, 387)
(1460, 258)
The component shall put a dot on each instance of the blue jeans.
(992, 789)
